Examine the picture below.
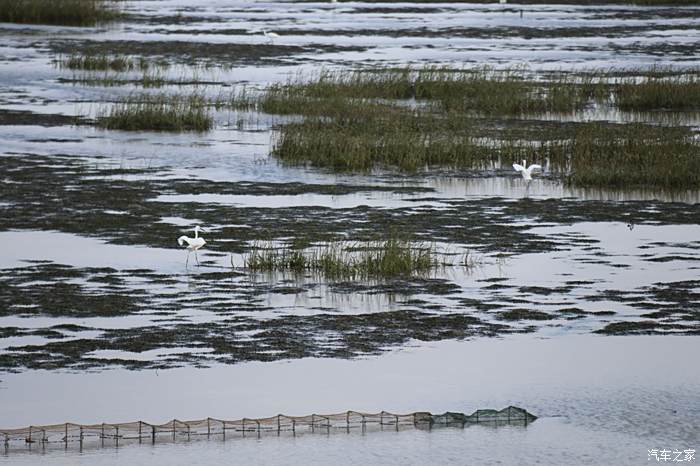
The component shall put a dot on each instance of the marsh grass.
(147, 79)
(652, 92)
(389, 258)
(386, 137)
(59, 12)
(595, 154)
(105, 62)
(630, 156)
(413, 120)
(480, 90)
(158, 112)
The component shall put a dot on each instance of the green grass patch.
(374, 260)
(481, 90)
(382, 137)
(59, 12)
(637, 155)
(652, 92)
(107, 62)
(158, 112)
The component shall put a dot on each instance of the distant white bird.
(526, 172)
(271, 36)
(503, 1)
(192, 244)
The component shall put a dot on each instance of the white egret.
(192, 243)
(526, 172)
(271, 36)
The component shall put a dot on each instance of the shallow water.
(587, 405)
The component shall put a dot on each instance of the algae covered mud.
(354, 177)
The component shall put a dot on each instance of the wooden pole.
(140, 431)
(65, 434)
(153, 434)
(208, 427)
(116, 436)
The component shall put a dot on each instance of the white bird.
(192, 244)
(270, 35)
(526, 172)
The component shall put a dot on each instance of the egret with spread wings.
(526, 172)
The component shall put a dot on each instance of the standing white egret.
(526, 172)
(192, 243)
(271, 36)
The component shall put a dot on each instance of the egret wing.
(518, 167)
(534, 166)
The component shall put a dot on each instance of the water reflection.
(544, 188)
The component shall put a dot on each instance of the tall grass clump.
(679, 92)
(630, 156)
(158, 112)
(107, 62)
(389, 258)
(387, 137)
(59, 12)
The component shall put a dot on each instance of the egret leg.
(195, 256)
(188, 259)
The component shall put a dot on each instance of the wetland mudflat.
(358, 122)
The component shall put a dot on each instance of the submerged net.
(140, 431)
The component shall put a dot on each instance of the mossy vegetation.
(59, 12)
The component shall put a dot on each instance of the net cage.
(140, 431)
